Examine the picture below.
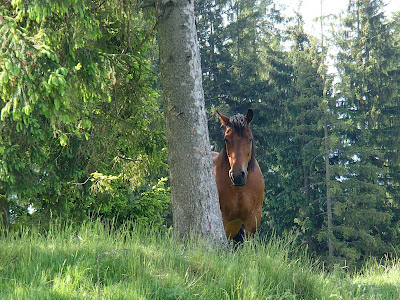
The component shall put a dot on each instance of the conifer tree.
(366, 56)
(80, 124)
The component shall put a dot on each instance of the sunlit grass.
(377, 280)
(92, 262)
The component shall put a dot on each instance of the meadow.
(90, 261)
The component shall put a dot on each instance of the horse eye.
(250, 141)
(226, 141)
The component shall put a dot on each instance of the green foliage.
(368, 98)
(144, 205)
(77, 103)
(92, 261)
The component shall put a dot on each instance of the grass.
(378, 280)
(92, 262)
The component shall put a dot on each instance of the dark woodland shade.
(239, 123)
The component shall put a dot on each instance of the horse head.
(239, 150)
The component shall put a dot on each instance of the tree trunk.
(194, 192)
(326, 151)
(328, 192)
(4, 210)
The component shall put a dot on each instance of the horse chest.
(234, 201)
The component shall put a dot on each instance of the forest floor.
(91, 262)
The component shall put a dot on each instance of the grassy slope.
(92, 263)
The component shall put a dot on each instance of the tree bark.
(326, 151)
(4, 209)
(194, 192)
(328, 192)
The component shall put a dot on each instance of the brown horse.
(239, 179)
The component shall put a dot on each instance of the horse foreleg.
(252, 223)
(232, 228)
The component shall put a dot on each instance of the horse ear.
(249, 115)
(224, 119)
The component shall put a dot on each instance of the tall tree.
(392, 137)
(327, 151)
(366, 58)
(193, 188)
(303, 142)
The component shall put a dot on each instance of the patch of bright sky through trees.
(311, 10)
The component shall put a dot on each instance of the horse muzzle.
(238, 178)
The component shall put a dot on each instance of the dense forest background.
(82, 126)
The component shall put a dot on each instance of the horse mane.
(239, 123)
